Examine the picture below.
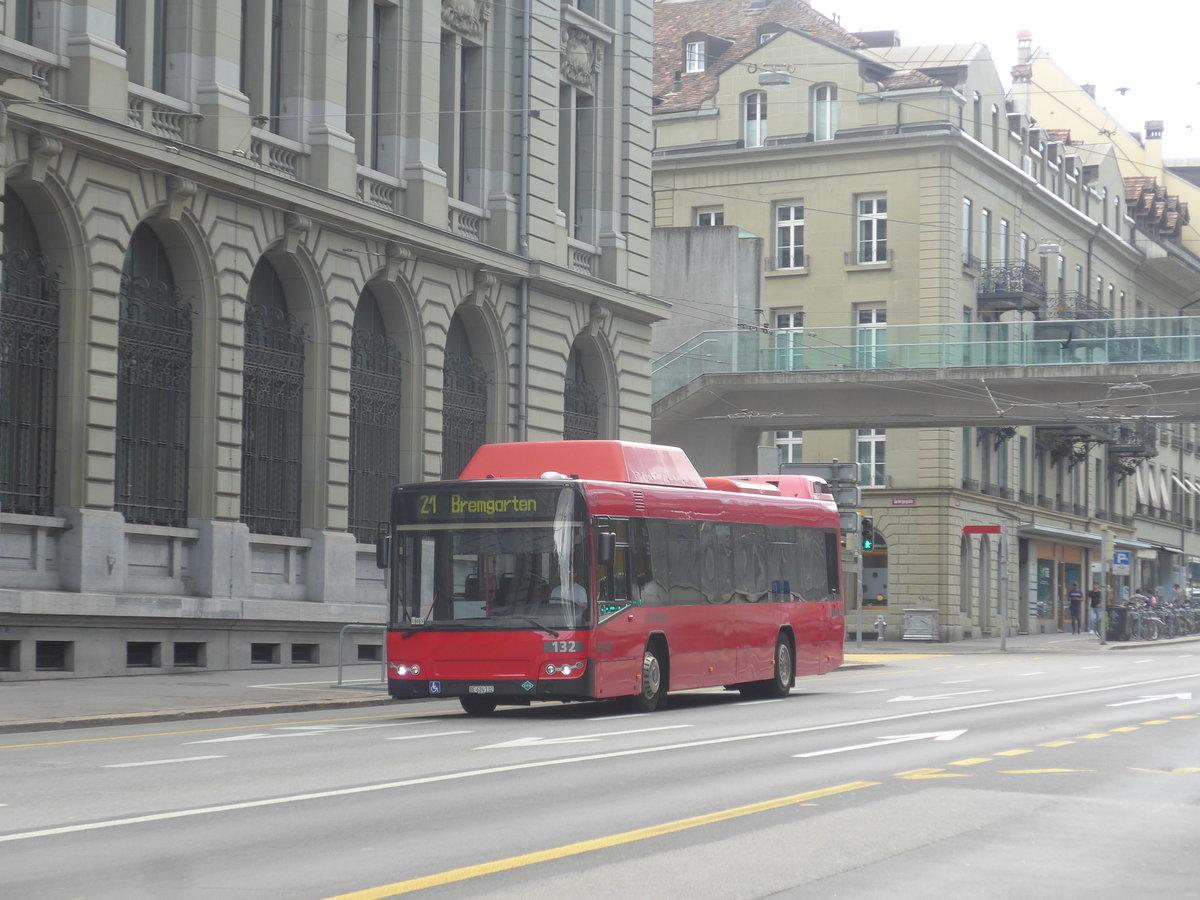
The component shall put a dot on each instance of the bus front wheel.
(475, 705)
(650, 697)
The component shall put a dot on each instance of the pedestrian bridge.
(1054, 372)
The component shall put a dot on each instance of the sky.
(1148, 47)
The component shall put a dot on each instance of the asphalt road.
(971, 776)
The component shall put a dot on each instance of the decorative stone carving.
(179, 192)
(466, 17)
(43, 150)
(395, 256)
(296, 228)
(581, 56)
(484, 289)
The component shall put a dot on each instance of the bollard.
(880, 625)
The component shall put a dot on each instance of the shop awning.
(1060, 535)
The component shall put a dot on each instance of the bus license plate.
(481, 689)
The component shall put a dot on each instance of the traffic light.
(868, 534)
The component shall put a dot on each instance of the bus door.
(620, 637)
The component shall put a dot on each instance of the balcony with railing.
(1003, 289)
(1073, 305)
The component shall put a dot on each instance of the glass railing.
(1063, 342)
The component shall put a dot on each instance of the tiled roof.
(907, 80)
(1150, 205)
(735, 21)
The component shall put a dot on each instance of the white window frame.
(710, 216)
(694, 56)
(824, 112)
(754, 119)
(870, 452)
(789, 236)
(788, 337)
(871, 229)
(790, 446)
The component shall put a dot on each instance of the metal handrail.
(341, 646)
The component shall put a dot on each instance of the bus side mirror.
(383, 551)
(606, 548)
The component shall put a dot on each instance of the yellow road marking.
(1056, 743)
(466, 873)
(1158, 722)
(1188, 716)
(973, 761)
(1042, 771)
(1094, 737)
(922, 774)
(1167, 771)
(1012, 752)
(1126, 728)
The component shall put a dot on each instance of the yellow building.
(899, 187)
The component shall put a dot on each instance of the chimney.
(1153, 145)
(1024, 47)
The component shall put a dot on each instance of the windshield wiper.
(538, 625)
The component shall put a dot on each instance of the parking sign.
(1120, 562)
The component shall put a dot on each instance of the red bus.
(582, 570)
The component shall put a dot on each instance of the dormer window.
(694, 57)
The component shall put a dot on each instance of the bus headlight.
(406, 669)
(564, 669)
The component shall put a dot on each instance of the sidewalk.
(131, 699)
(88, 702)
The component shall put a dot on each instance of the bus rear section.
(629, 577)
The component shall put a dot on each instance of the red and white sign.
(981, 529)
(904, 501)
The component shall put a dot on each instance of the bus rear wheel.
(780, 683)
(475, 705)
(651, 695)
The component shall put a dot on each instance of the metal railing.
(356, 626)
(945, 346)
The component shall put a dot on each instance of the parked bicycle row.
(1149, 619)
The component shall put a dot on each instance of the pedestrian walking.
(1095, 598)
(1075, 599)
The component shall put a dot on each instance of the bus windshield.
(489, 556)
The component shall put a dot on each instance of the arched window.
(28, 366)
(464, 401)
(754, 118)
(272, 394)
(824, 112)
(375, 436)
(153, 387)
(581, 402)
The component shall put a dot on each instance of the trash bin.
(920, 625)
(1118, 623)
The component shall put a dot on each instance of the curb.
(180, 715)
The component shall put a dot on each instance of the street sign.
(1121, 561)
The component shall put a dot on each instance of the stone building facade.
(898, 188)
(262, 261)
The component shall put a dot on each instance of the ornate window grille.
(464, 402)
(375, 438)
(28, 377)
(153, 388)
(581, 404)
(272, 409)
